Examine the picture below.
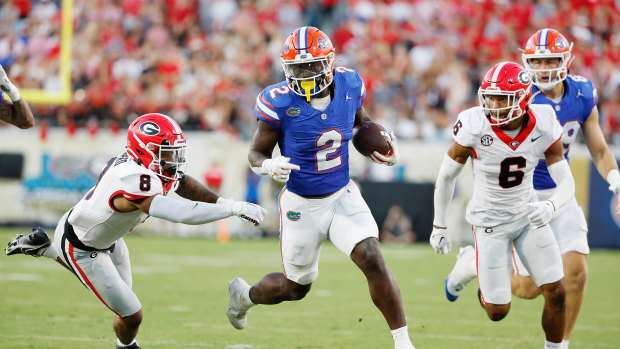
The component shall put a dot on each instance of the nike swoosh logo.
(534, 139)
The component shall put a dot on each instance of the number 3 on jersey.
(328, 155)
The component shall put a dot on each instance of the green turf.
(182, 285)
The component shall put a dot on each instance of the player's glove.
(7, 86)
(388, 160)
(439, 240)
(541, 212)
(245, 210)
(613, 178)
(278, 168)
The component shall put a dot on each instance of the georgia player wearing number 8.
(507, 136)
(133, 186)
(311, 117)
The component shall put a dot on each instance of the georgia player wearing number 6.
(133, 186)
(311, 116)
(507, 136)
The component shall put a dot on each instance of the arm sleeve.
(180, 210)
(444, 188)
(565, 185)
(265, 111)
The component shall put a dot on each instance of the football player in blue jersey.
(311, 116)
(547, 56)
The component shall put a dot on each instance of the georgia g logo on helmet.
(149, 128)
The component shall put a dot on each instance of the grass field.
(182, 284)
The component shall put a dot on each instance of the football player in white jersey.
(506, 136)
(17, 112)
(133, 186)
(547, 56)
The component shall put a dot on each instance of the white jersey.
(504, 165)
(95, 221)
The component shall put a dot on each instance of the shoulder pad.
(277, 96)
(350, 76)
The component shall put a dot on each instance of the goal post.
(63, 95)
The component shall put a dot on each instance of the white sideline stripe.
(265, 109)
(174, 343)
(95, 340)
(21, 277)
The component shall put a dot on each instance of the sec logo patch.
(486, 140)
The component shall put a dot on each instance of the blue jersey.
(572, 111)
(317, 141)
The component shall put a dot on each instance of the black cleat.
(132, 346)
(30, 244)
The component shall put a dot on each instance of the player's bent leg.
(462, 273)
(275, 288)
(120, 258)
(496, 312)
(575, 278)
(126, 329)
(524, 287)
(383, 288)
(554, 311)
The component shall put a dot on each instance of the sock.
(245, 298)
(551, 345)
(464, 270)
(401, 338)
(121, 344)
(565, 344)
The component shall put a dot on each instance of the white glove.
(388, 160)
(279, 168)
(439, 240)
(541, 212)
(7, 86)
(613, 178)
(245, 210)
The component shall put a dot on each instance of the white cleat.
(237, 306)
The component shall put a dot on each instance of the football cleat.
(237, 310)
(451, 297)
(32, 244)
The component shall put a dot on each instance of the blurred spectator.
(204, 61)
(397, 227)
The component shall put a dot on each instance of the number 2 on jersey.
(328, 156)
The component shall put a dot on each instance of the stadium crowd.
(204, 61)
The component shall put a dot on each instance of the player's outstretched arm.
(602, 157)
(179, 210)
(265, 140)
(17, 112)
(191, 189)
(444, 189)
(541, 212)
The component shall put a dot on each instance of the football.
(371, 137)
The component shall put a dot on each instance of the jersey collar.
(526, 130)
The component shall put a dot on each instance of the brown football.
(370, 136)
